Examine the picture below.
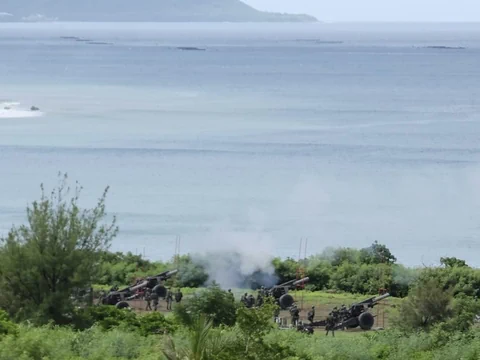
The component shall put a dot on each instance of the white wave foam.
(12, 110)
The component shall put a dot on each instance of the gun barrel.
(367, 301)
(288, 283)
(139, 286)
(164, 275)
(301, 281)
(381, 297)
(171, 273)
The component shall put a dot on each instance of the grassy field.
(324, 302)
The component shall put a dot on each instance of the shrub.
(155, 323)
(212, 302)
(106, 317)
(427, 304)
(6, 326)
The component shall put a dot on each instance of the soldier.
(295, 313)
(330, 324)
(251, 301)
(311, 315)
(178, 296)
(343, 312)
(155, 299)
(148, 299)
(230, 294)
(169, 300)
(244, 298)
(260, 298)
(335, 313)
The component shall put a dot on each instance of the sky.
(378, 10)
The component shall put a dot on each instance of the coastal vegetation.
(51, 265)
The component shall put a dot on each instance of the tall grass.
(203, 342)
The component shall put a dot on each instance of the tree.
(319, 271)
(377, 254)
(339, 256)
(285, 270)
(451, 262)
(55, 254)
(191, 273)
(427, 304)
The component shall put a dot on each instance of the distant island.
(139, 11)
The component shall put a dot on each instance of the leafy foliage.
(46, 261)
(377, 254)
(254, 323)
(426, 305)
(109, 317)
(155, 323)
(213, 302)
(451, 262)
(6, 326)
(201, 345)
(105, 317)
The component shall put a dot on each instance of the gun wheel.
(122, 305)
(366, 321)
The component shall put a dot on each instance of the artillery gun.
(119, 298)
(281, 295)
(356, 316)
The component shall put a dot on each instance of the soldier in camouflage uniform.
(178, 296)
(260, 298)
(295, 313)
(330, 325)
(244, 299)
(230, 294)
(148, 299)
(332, 321)
(169, 300)
(155, 299)
(311, 315)
(250, 301)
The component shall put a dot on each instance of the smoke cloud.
(238, 259)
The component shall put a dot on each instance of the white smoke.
(13, 110)
(236, 258)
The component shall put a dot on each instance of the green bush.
(427, 304)
(6, 326)
(62, 343)
(106, 317)
(212, 302)
(155, 323)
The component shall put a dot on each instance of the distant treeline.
(364, 271)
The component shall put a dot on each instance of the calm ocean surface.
(271, 134)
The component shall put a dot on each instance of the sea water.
(256, 137)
